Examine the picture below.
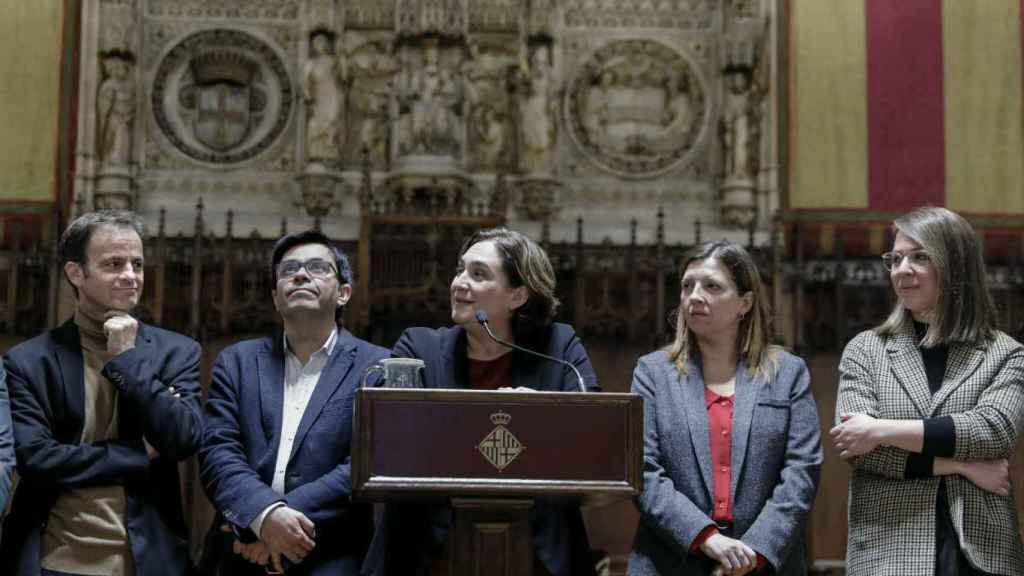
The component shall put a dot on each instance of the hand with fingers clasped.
(289, 533)
(855, 435)
(733, 556)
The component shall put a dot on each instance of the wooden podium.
(490, 454)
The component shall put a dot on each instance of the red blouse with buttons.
(720, 423)
(720, 432)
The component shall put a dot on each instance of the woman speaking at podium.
(503, 293)
(732, 449)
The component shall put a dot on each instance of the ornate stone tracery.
(574, 105)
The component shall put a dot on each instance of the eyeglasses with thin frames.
(919, 260)
(315, 267)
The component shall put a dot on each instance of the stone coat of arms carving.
(637, 108)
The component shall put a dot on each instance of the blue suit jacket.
(47, 387)
(243, 428)
(6, 442)
(410, 532)
(776, 459)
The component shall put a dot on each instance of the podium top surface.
(431, 443)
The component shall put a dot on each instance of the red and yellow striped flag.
(898, 103)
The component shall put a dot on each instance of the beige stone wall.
(30, 50)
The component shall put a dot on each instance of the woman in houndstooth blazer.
(930, 406)
(732, 446)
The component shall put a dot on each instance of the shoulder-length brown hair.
(753, 340)
(525, 263)
(964, 312)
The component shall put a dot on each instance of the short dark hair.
(310, 237)
(74, 242)
(525, 264)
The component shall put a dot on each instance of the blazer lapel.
(270, 362)
(454, 369)
(908, 367)
(72, 371)
(692, 387)
(744, 400)
(963, 361)
(331, 378)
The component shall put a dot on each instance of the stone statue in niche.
(740, 126)
(115, 111)
(537, 113)
(322, 77)
(433, 99)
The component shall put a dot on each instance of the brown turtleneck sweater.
(86, 532)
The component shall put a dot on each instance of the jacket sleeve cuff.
(708, 531)
(257, 524)
(919, 466)
(939, 436)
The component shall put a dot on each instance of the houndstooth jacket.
(891, 518)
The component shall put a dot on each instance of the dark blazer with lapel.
(242, 434)
(892, 517)
(776, 460)
(7, 461)
(47, 387)
(559, 537)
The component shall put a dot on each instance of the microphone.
(481, 317)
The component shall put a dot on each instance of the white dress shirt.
(299, 383)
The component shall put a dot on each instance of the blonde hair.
(753, 339)
(964, 311)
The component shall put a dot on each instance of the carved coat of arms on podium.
(500, 447)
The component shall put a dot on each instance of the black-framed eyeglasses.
(315, 267)
(918, 259)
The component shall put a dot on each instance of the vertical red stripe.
(906, 146)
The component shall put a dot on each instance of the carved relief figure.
(373, 79)
(676, 115)
(373, 108)
(485, 81)
(433, 98)
(320, 86)
(490, 135)
(739, 127)
(598, 102)
(116, 111)
(538, 113)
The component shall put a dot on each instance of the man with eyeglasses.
(275, 457)
(104, 408)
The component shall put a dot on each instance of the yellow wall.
(30, 49)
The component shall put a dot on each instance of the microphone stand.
(481, 317)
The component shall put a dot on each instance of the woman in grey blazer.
(732, 449)
(930, 406)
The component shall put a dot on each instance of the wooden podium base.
(492, 537)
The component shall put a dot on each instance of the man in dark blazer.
(559, 536)
(276, 451)
(104, 407)
(6, 444)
